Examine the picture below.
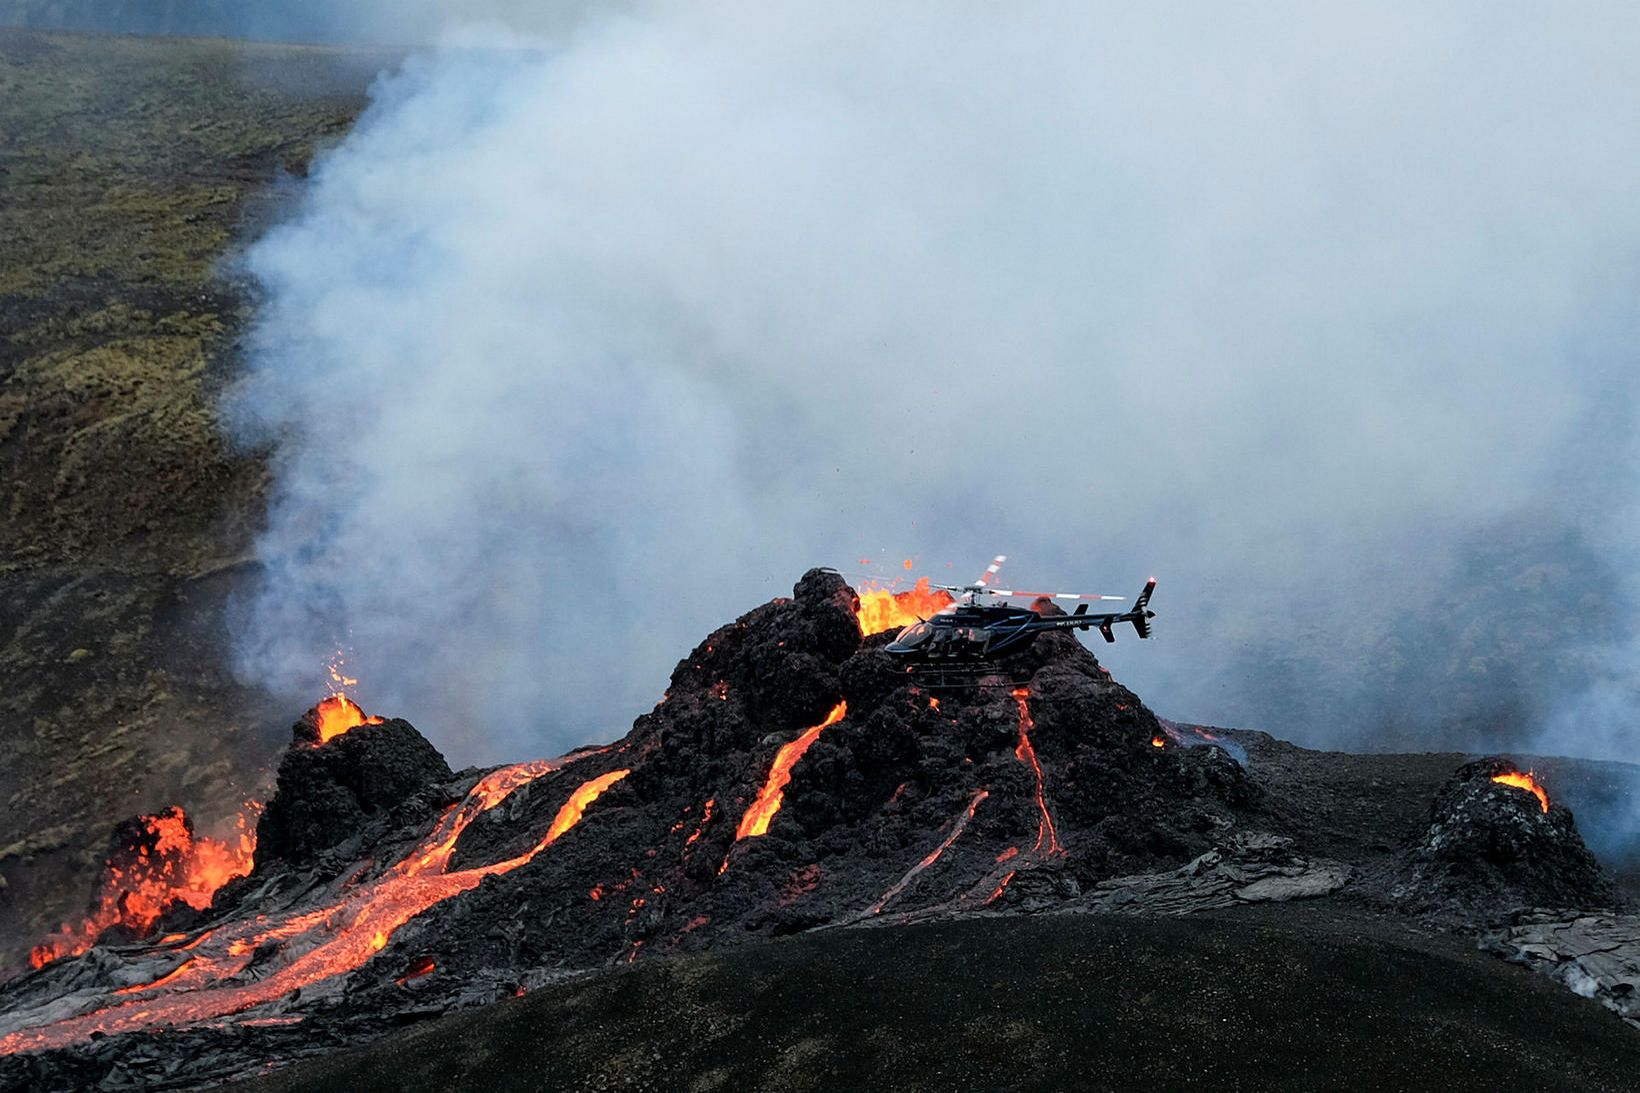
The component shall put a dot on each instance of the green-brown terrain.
(130, 170)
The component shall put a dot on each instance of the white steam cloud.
(577, 349)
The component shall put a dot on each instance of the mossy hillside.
(129, 169)
(131, 172)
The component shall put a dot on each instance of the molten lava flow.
(338, 714)
(933, 855)
(434, 853)
(161, 863)
(570, 814)
(1026, 754)
(756, 820)
(323, 942)
(1158, 741)
(882, 609)
(1528, 782)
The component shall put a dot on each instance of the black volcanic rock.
(874, 794)
(326, 792)
(1492, 847)
(780, 660)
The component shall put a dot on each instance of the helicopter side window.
(914, 635)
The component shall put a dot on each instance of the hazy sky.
(575, 349)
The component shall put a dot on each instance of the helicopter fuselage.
(977, 632)
(974, 633)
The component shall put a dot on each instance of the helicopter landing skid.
(970, 676)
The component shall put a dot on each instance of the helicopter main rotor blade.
(1053, 595)
(991, 570)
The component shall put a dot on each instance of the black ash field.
(1297, 999)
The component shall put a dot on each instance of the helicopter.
(979, 629)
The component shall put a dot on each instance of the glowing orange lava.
(1158, 741)
(168, 864)
(756, 820)
(570, 814)
(1528, 782)
(434, 853)
(330, 939)
(1026, 754)
(338, 714)
(882, 609)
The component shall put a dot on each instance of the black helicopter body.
(979, 631)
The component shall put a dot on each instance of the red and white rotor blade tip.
(991, 570)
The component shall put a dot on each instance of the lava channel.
(1025, 753)
(343, 934)
(933, 856)
(756, 820)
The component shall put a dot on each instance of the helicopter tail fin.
(1141, 614)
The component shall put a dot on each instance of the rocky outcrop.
(1492, 847)
(333, 792)
(1253, 867)
(1596, 956)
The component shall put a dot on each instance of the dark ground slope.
(1299, 1001)
(128, 169)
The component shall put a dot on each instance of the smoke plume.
(579, 346)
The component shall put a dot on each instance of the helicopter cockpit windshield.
(911, 637)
